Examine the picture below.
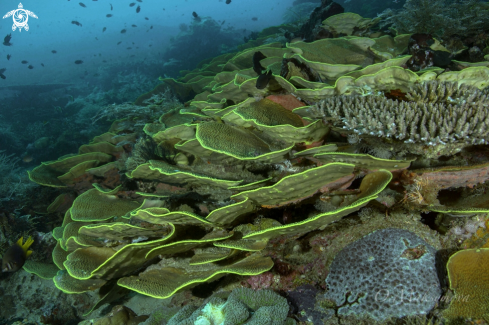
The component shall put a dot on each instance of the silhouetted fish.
(111, 7)
(151, 27)
(196, 17)
(8, 56)
(134, 25)
(96, 38)
(103, 30)
(24, 62)
(146, 18)
(139, 0)
(78, 62)
(129, 48)
(254, 19)
(223, 22)
(104, 61)
(108, 15)
(138, 9)
(42, 64)
(82, 4)
(228, 2)
(15, 256)
(30, 66)
(263, 80)
(54, 51)
(119, 43)
(74, 22)
(132, 4)
(123, 31)
(257, 57)
(6, 40)
(1, 73)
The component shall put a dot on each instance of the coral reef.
(439, 17)
(253, 187)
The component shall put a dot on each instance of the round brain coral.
(388, 273)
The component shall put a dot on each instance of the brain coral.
(388, 273)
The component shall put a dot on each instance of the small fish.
(24, 62)
(134, 25)
(108, 15)
(1, 73)
(129, 48)
(263, 80)
(123, 31)
(82, 4)
(15, 256)
(151, 27)
(223, 22)
(119, 43)
(150, 45)
(74, 22)
(254, 19)
(42, 65)
(78, 62)
(104, 29)
(111, 8)
(8, 56)
(132, 4)
(228, 2)
(30, 66)
(146, 18)
(139, 0)
(6, 39)
(97, 40)
(138, 9)
(196, 17)
(54, 51)
(104, 61)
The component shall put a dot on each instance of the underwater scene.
(260, 162)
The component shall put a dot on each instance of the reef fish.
(74, 22)
(123, 31)
(30, 66)
(8, 56)
(138, 9)
(111, 8)
(54, 51)
(263, 80)
(78, 62)
(82, 4)
(108, 15)
(103, 30)
(228, 2)
(6, 40)
(1, 73)
(132, 4)
(24, 62)
(15, 256)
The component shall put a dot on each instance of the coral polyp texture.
(388, 273)
(233, 184)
